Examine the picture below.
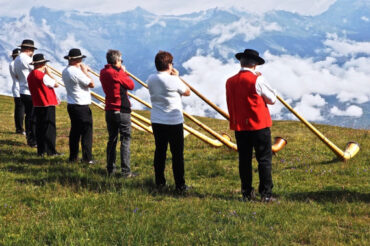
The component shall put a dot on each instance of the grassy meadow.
(48, 201)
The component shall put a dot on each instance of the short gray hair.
(248, 62)
(113, 56)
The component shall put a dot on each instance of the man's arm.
(263, 89)
(85, 70)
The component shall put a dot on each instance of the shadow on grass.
(305, 165)
(330, 196)
(21, 157)
(97, 180)
(12, 143)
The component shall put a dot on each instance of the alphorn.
(188, 129)
(352, 148)
(223, 140)
(277, 146)
(135, 123)
(213, 142)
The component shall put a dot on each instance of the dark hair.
(74, 61)
(113, 56)
(162, 60)
(248, 62)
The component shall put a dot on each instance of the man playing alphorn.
(247, 96)
(78, 83)
(22, 68)
(41, 84)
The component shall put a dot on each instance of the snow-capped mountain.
(318, 63)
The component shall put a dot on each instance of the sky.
(15, 8)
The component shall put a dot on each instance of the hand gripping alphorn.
(279, 142)
(213, 142)
(351, 149)
(135, 123)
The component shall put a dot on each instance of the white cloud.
(344, 47)
(364, 18)
(352, 111)
(309, 107)
(164, 7)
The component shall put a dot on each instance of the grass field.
(47, 201)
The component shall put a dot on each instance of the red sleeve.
(124, 79)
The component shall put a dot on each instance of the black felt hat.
(249, 53)
(38, 58)
(16, 52)
(28, 43)
(74, 54)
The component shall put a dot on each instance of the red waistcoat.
(248, 111)
(42, 96)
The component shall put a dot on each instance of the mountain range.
(318, 63)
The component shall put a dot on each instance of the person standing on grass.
(18, 105)
(247, 95)
(41, 85)
(78, 82)
(22, 68)
(115, 83)
(166, 90)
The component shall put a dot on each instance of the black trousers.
(45, 130)
(18, 115)
(81, 128)
(30, 121)
(174, 135)
(260, 141)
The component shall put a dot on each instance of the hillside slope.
(322, 201)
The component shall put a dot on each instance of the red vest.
(248, 111)
(42, 96)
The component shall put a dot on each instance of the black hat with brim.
(74, 54)
(249, 53)
(28, 43)
(38, 58)
(15, 52)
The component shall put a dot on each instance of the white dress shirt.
(165, 94)
(262, 87)
(15, 86)
(22, 69)
(76, 83)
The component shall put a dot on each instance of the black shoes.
(20, 132)
(249, 196)
(182, 189)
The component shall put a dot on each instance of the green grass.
(47, 201)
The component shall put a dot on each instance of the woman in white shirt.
(165, 90)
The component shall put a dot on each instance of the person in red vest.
(247, 95)
(41, 85)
